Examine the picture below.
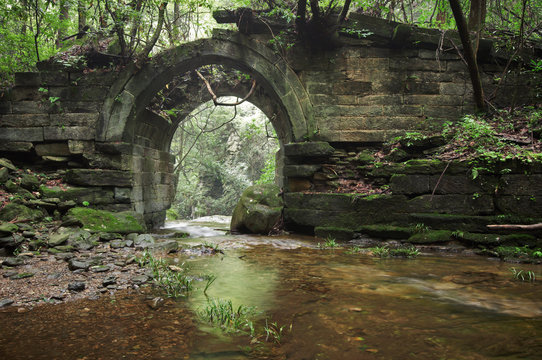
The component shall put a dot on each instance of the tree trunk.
(62, 17)
(81, 16)
(477, 15)
(469, 55)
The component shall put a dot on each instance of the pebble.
(12, 261)
(77, 286)
(10, 273)
(110, 280)
(140, 279)
(100, 268)
(76, 264)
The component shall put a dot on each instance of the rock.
(110, 280)
(308, 149)
(10, 241)
(155, 303)
(30, 182)
(60, 237)
(12, 261)
(21, 276)
(4, 175)
(397, 155)
(7, 164)
(140, 279)
(106, 221)
(81, 240)
(8, 274)
(7, 229)
(258, 210)
(144, 241)
(334, 232)
(5, 302)
(64, 256)
(77, 264)
(20, 212)
(117, 244)
(109, 236)
(99, 268)
(167, 246)
(77, 286)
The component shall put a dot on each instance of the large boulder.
(258, 210)
(20, 212)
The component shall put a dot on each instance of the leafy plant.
(330, 243)
(174, 282)
(222, 313)
(519, 274)
(385, 251)
(274, 332)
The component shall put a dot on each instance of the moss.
(20, 212)
(387, 231)
(431, 237)
(338, 233)
(480, 239)
(105, 221)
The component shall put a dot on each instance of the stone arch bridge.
(97, 128)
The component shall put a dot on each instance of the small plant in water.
(385, 251)
(354, 250)
(222, 313)
(175, 283)
(210, 280)
(519, 274)
(274, 332)
(329, 244)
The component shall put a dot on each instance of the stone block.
(454, 88)
(80, 146)
(25, 121)
(75, 119)
(53, 149)
(21, 134)
(5, 108)
(453, 204)
(433, 55)
(523, 205)
(379, 100)
(25, 93)
(27, 79)
(54, 78)
(308, 149)
(79, 93)
(416, 64)
(300, 170)
(69, 133)
(438, 100)
(94, 195)
(419, 87)
(299, 184)
(99, 177)
(319, 88)
(512, 184)
(123, 195)
(16, 146)
(81, 106)
(351, 88)
(30, 107)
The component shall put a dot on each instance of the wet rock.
(155, 303)
(12, 261)
(64, 248)
(258, 210)
(77, 286)
(140, 279)
(110, 280)
(29, 234)
(109, 236)
(77, 264)
(59, 238)
(5, 302)
(99, 268)
(167, 246)
(82, 240)
(144, 241)
(66, 205)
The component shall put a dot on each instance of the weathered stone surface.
(339, 234)
(69, 133)
(98, 177)
(30, 182)
(7, 229)
(431, 237)
(300, 170)
(4, 175)
(308, 149)
(453, 204)
(78, 194)
(524, 184)
(16, 146)
(387, 231)
(258, 210)
(523, 205)
(7, 164)
(25, 120)
(299, 184)
(144, 241)
(428, 184)
(21, 134)
(167, 246)
(53, 149)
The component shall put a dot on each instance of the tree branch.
(215, 98)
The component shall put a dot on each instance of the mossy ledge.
(105, 221)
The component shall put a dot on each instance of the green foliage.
(517, 252)
(404, 252)
(274, 332)
(522, 275)
(174, 283)
(222, 313)
(330, 243)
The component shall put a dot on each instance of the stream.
(330, 304)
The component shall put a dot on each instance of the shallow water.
(332, 305)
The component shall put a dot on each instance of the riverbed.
(329, 303)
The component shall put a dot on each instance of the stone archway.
(125, 118)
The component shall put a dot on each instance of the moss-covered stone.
(30, 182)
(258, 210)
(94, 196)
(20, 212)
(105, 221)
(7, 228)
(431, 237)
(336, 233)
(474, 239)
(387, 231)
(366, 157)
(308, 149)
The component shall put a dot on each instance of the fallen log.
(515, 227)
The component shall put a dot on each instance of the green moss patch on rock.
(106, 221)
(387, 231)
(337, 233)
(20, 212)
(431, 237)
